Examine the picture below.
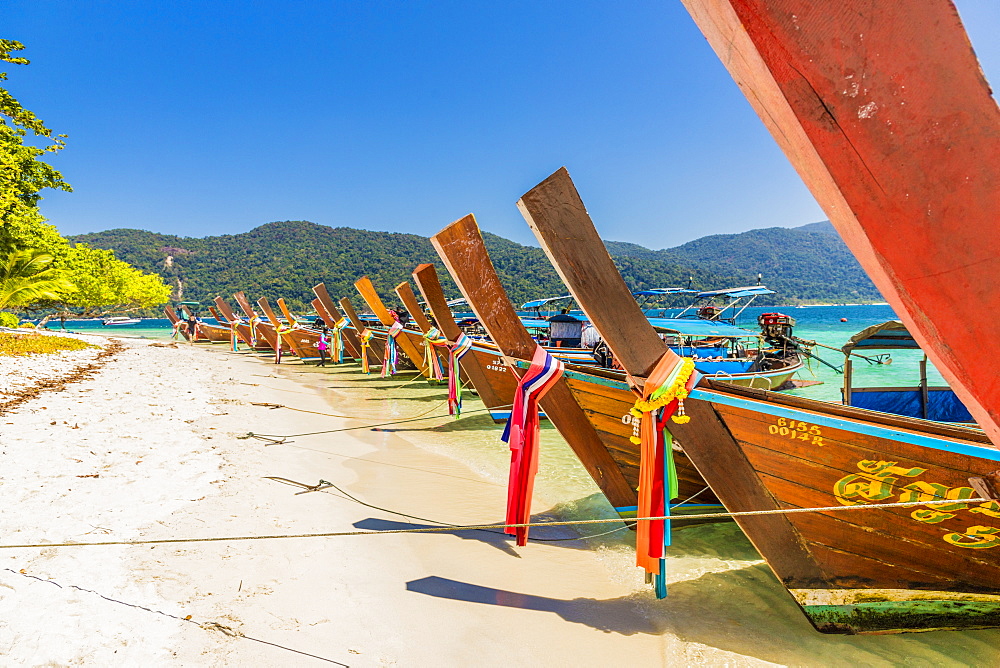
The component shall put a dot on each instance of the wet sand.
(154, 446)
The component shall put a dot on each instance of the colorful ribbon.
(391, 357)
(366, 337)
(234, 337)
(661, 398)
(521, 433)
(455, 353)
(434, 338)
(338, 340)
(253, 331)
(279, 329)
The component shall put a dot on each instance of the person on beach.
(192, 328)
(323, 345)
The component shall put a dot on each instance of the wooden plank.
(288, 314)
(219, 318)
(374, 355)
(560, 221)
(405, 294)
(461, 247)
(286, 343)
(171, 314)
(352, 344)
(556, 214)
(370, 295)
(242, 330)
(493, 395)
(885, 113)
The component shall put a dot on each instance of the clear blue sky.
(202, 118)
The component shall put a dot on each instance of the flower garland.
(662, 397)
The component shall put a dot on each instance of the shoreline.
(151, 447)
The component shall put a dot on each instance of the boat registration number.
(797, 429)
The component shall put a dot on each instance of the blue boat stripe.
(834, 422)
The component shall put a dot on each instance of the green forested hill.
(285, 259)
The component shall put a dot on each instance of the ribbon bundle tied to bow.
(391, 357)
(338, 340)
(521, 433)
(433, 338)
(661, 398)
(455, 353)
(253, 331)
(234, 336)
(279, 329)
(366, 343)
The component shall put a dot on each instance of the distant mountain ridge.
(285, 259)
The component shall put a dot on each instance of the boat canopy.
(734, 293)
(885, 336)
(538, 303)
(537, 323)
(457, 302)
(690, 327)
(659, 292)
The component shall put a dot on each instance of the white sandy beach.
(150, 447)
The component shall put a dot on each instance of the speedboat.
(121, 320)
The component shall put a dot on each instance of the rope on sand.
(278, 439)
(208, 626)
(474, 527)
(273, 406)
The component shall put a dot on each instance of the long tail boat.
(206, 332)
(331, 315)
(871, 570)
(492, 382)
(412, 306)
(175, 321)
(590, 422)
(371, 352)
(243, 330)
(265, 336)
(884, 111)
(281, 333)
(409, 341)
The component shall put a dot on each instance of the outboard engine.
(776, 328)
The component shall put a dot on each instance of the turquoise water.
(148, 328)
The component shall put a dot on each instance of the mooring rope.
(473, 527)
(278, 439)
(208, 626)
(272, 406)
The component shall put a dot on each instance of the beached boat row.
(874, 522)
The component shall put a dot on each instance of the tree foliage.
(22, 175)
(285, 259)
(26, 276)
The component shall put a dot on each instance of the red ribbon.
(521, 433)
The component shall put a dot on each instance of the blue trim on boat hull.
(855, 426)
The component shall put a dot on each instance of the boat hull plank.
(883, 109)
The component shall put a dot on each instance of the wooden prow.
(265, 306)
(171, 314)
(367, 291)
(285, 312)
(245, 304)
(242, 330)
(559, 220)
(273, 324)
(219, 318)
(461, 247)
(426, 278)
(351, 341)
(187, 312)
(595, 281)
(328, 318)
(405, 294)
(263, 334)
(883, 110)
(374, 356)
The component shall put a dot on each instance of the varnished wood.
(561, 223)
(273, 324)
(461, 247)
(405, 294)
(370, 295)
(265, 337)
(219, 318)
(350, 336)
(242, 329)
(374, 355)
(884, 111)
(288, 314)
(492, 389)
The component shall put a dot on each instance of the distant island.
(807, 264)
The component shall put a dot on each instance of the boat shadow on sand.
(742, 610)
